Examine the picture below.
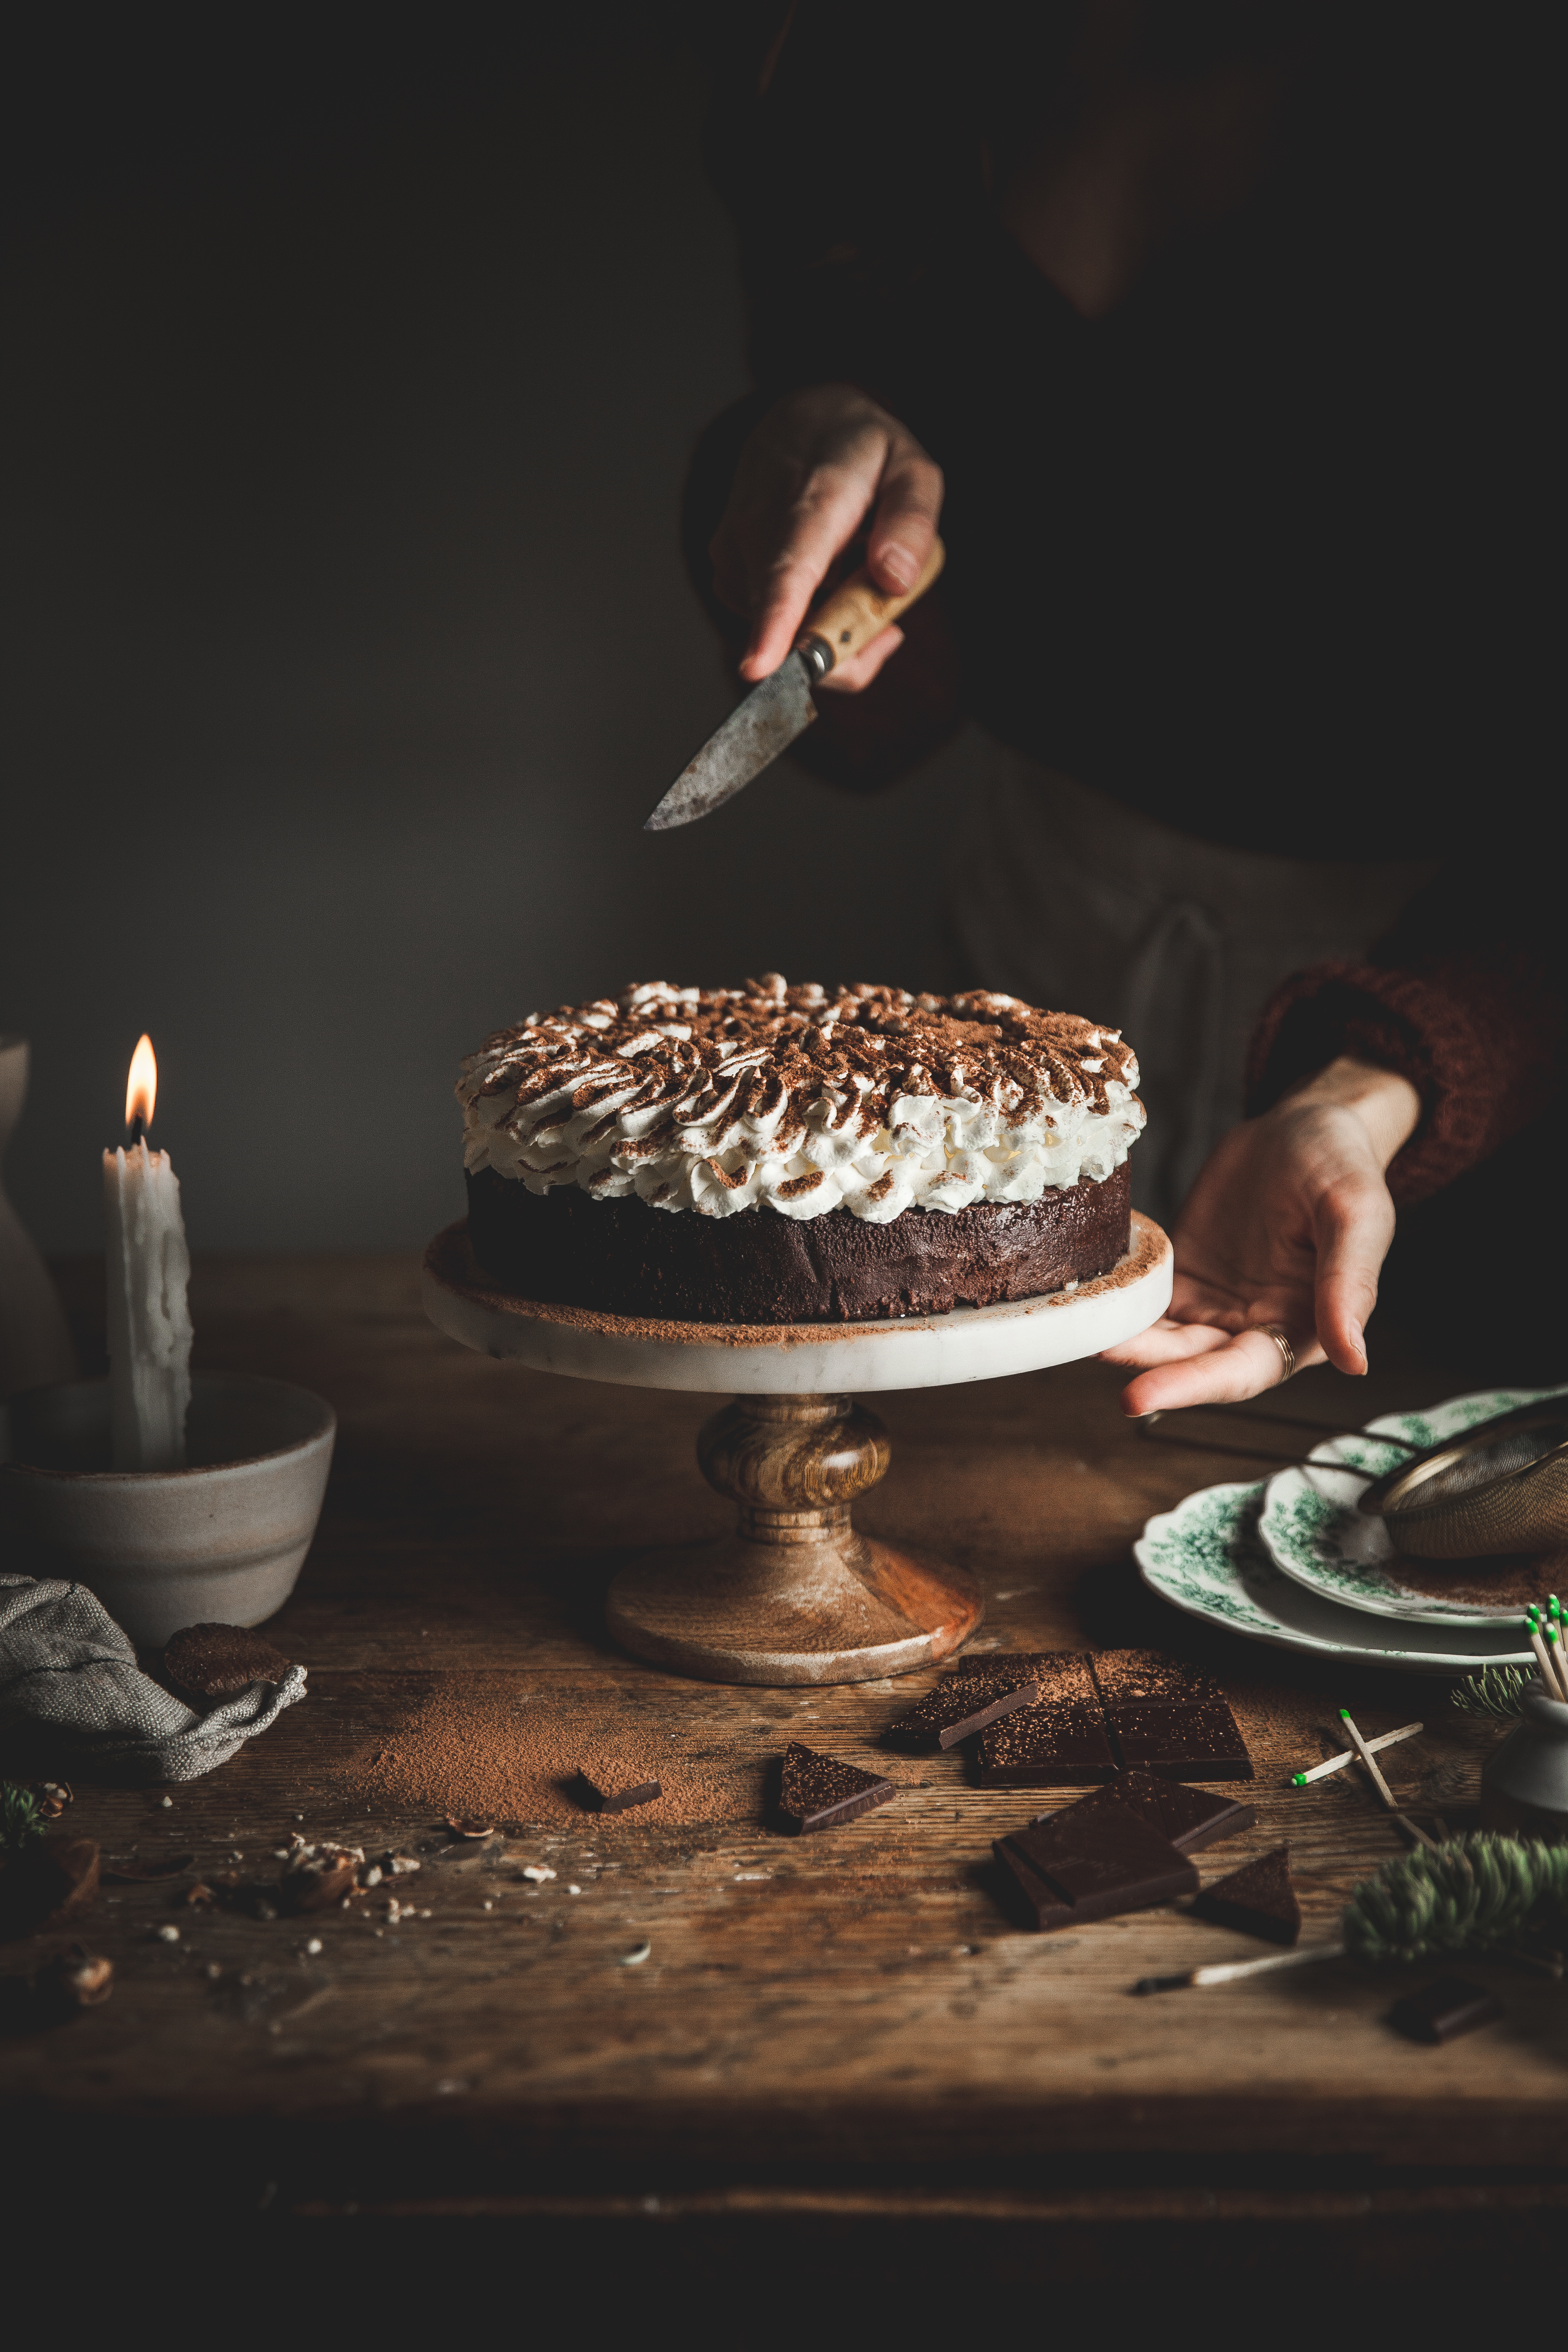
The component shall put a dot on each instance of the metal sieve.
(1502, 1488)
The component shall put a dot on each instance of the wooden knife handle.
(860, 611)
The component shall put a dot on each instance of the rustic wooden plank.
(859, 1997)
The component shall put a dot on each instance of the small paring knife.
(781, 708)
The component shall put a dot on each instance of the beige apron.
(1068, 899)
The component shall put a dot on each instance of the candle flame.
(141, 1085)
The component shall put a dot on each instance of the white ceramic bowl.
(222, 1542)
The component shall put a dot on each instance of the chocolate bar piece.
(1058, 1738)
(1180, 1741)
(1017, 1666)
(1136, 1678)
(1048, 1745)
(817, 1791)
(965, 1703)
(1092, 1860)
(1447, 2008)
(1190, 1818)
(609, 1786)
(1257, 1898)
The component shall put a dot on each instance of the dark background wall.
(356, 362)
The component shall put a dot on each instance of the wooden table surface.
(840, 2018)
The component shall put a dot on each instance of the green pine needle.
(20, 1818)
(1474, 1892)
(1494, 1691)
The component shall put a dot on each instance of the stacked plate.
(1295, 1563)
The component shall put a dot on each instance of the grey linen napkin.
(66, 1667)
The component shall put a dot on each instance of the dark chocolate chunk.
(1447, 2008)
(817, 1791)
(1190, 1818)
(607, 1786)
(1058, 1739)
(1092, 1860)
(1049, 1745)
(1136, 1678)
(1257, 1898)
(1018, 1665)
(212, 1660)
(1181, 1742)
(964, 1703)
(1038, 1904)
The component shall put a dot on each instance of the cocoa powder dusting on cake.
(483, 1748)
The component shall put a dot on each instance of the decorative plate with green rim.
(1313, 1529)
(1205, 1557)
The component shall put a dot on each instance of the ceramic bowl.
(1524, 1783)
(220, 1542)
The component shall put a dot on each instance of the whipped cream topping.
(789, 1099)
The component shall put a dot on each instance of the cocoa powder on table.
(483, 1749)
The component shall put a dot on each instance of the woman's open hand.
(1289, 1223)
(820, 462)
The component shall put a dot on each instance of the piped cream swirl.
(767, 1096)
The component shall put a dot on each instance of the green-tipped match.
(1345, 1715)
(1551, 1632)
(1529, 1617)
(1298, 1780)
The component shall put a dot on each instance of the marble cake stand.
(795, 1595)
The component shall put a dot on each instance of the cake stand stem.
(795, 1595)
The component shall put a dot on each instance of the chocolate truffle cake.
(769, 1154)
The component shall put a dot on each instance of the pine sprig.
(1475, 1891)
(1494, 1691)
(21, 1817)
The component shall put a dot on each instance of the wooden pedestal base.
(795, 1595)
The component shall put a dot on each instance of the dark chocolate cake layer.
(622, 1257)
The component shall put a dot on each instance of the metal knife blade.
(750, 740)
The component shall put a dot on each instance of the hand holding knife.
(781, 708)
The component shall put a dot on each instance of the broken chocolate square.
(1015, 1665)
(1180, 1741)
(965, 1702)
(608, 1785)
(1258, 1899)
(1447, 2008)
(214, 1660)
(1190, 1818)
(1058, 1739)
(818, 1792)
(1136, 1678)
(1092, 1860)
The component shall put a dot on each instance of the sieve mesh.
(1505, 1492)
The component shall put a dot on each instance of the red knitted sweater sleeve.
(1466, 998)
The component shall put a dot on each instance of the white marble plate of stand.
(795, 1595)
(1207, 1559)
(1315, 1534)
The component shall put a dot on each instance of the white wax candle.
(149, 1321)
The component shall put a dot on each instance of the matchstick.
(1338, 1763)
(1548, 1682)
(1228, 1971)
(1559, 1665)
(1383, 1791)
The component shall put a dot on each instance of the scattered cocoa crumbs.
(479, 1750)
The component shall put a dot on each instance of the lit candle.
(148, 1267)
